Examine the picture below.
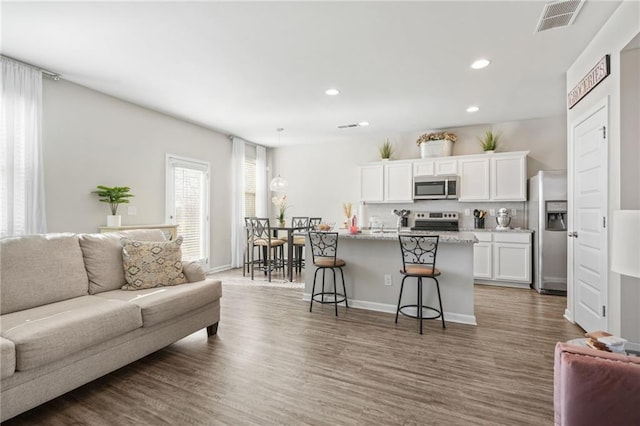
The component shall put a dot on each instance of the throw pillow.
(149, 264)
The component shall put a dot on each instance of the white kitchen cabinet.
(509, 178)
(398, 182)
(474, 179)
(494, 177)
(503, 258)
(371, 183)
(386, 182)
(483, 256)
(440, 167)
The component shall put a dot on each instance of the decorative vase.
(281, 222)
(438, 148)
(114, 221)
(490, 151)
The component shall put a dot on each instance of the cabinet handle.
(570, 235)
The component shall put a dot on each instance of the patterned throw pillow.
(149, 264)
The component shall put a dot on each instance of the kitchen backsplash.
(385, 212)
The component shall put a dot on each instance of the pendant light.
(278, 184)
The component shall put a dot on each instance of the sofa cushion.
(149, 264)
(193, 271)
(7, 358)
(47, 333)
(103, 256)
(163, 303)
(40, 269)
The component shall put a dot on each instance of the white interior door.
(589, 220)
(187, 205)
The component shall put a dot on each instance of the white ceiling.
(246, 68)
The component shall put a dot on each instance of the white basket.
(439, 148)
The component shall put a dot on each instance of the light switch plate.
(513, 212)
(132, 211)
(492, 212)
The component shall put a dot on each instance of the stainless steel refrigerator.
(547, 214)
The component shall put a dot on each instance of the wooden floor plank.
(274, 362)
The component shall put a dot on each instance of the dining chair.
(419, 261)
(299, 240)
(263, 237)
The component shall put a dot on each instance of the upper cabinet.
(474, 179)
(495, 177)
(386, 182)
(509, 178)
(371, 183)
(436, 167)
(483, 177)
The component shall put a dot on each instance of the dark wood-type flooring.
(273, 362)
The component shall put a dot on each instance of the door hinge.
(604, 221)
(604, 311)
(604, 132)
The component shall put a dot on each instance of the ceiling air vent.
(559, 14)
(346, 126)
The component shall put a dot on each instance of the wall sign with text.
(589, 81)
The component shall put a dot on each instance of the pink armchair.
(592, 387)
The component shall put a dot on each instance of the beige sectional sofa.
(65, 320)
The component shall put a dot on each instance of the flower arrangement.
(281, 203)
(436, 136)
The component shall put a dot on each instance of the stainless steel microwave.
(435, 187)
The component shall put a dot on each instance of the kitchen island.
(371, 256)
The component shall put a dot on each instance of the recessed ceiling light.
(473, 108)
(363, 123)
(480, 63)
(332, 92)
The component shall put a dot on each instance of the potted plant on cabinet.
(436, 144)
(386, 150)
(489, 141)
(114, 196)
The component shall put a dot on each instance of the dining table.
(291, 231)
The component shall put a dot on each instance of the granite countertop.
(521, 230)
(445, 237)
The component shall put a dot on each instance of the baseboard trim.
(391, 309)
(219, 269)
(503, 284)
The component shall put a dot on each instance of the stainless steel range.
(435, 221)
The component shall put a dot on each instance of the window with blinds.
(250, 187)
(188, 205)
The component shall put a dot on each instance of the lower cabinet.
(503, 258)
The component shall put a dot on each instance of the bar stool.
(419, 261)
(324, 247)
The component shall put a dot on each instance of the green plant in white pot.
(386, 150)
(114, 196)
(489, 141)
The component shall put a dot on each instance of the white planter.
(440, 148)
(114, 221)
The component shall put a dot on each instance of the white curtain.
(21, 175)
(262, 191)
(237, 210)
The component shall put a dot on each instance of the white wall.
(612, 38)
(630, 177)
(323, 176)
(92, 139)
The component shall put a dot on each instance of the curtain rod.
(52, 75)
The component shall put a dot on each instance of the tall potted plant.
(386, 150)
(114, 196)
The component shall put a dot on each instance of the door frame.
(603, 103)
